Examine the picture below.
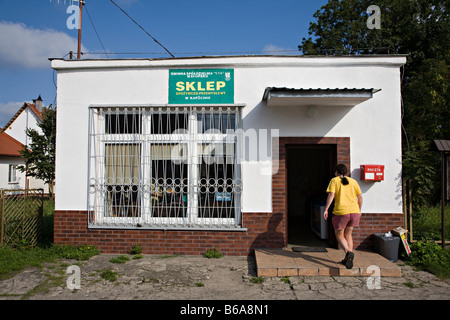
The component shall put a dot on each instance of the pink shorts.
(346, 220)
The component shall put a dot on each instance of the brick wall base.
(71, 227)
(264, 230)
(371, 223)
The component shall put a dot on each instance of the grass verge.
(14, 260)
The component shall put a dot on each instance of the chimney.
(38, 103)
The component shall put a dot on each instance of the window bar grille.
(164, 167)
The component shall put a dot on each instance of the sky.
(32, 31)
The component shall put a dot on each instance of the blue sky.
(31, 31)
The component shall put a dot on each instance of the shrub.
(429, 256)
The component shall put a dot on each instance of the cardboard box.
(402, 234)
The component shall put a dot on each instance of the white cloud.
(25, 46)
(273, 49)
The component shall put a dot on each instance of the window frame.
(146, 137)
(12, 174)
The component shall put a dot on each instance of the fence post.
(410, 212)
(41, 216)
(2, 216)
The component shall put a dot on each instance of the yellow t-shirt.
(345, 197)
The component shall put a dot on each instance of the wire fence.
(21, 213)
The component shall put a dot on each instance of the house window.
(12, 173)
(164, 167)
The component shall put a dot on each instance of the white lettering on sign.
(198, 86)
(373, 169)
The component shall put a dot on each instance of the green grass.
(47, 222)
(213, 254)
(109, 275)
(427, 223)
(257, 280)
(120, 259)
(14, 260)
(136, 249)
(22, 256)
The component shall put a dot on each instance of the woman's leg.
(341, 240)
(349, 238)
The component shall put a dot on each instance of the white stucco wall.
(33, 183)
(374, 126)
(5, 162)
(26, 119)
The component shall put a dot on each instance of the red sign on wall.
(372, 172)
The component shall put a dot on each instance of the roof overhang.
(317, 97)
(442, 145)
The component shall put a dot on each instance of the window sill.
(167, 227)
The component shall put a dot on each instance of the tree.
(420, 29)
(39, 155)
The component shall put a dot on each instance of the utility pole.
(79, 30)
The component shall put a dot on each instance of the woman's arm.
(360, 201)
(330, 199)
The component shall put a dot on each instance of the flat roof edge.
(216, 61)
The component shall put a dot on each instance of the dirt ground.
(160, 277)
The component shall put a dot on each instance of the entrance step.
(285, 262)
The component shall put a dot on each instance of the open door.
(310, 168)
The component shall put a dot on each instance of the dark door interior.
(310, 168)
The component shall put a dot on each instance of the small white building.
(183, 155)
(12, 139)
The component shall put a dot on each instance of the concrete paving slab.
(285, 262)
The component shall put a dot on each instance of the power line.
(143, 29)
(202, 53)
(87, 11)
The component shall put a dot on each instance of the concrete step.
(285, 262)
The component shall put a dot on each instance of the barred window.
(164, 167)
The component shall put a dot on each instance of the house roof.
(24, 106)
(9, 146)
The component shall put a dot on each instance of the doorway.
(309, 170)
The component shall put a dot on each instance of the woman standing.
(348, 201)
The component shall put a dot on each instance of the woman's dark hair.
(342, 170)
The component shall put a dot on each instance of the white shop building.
(183, 155)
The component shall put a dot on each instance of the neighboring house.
(13, 138)
(10, 177)
(184, 155)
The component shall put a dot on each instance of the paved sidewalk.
(158, 277)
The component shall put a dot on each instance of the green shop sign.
(201, 86)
